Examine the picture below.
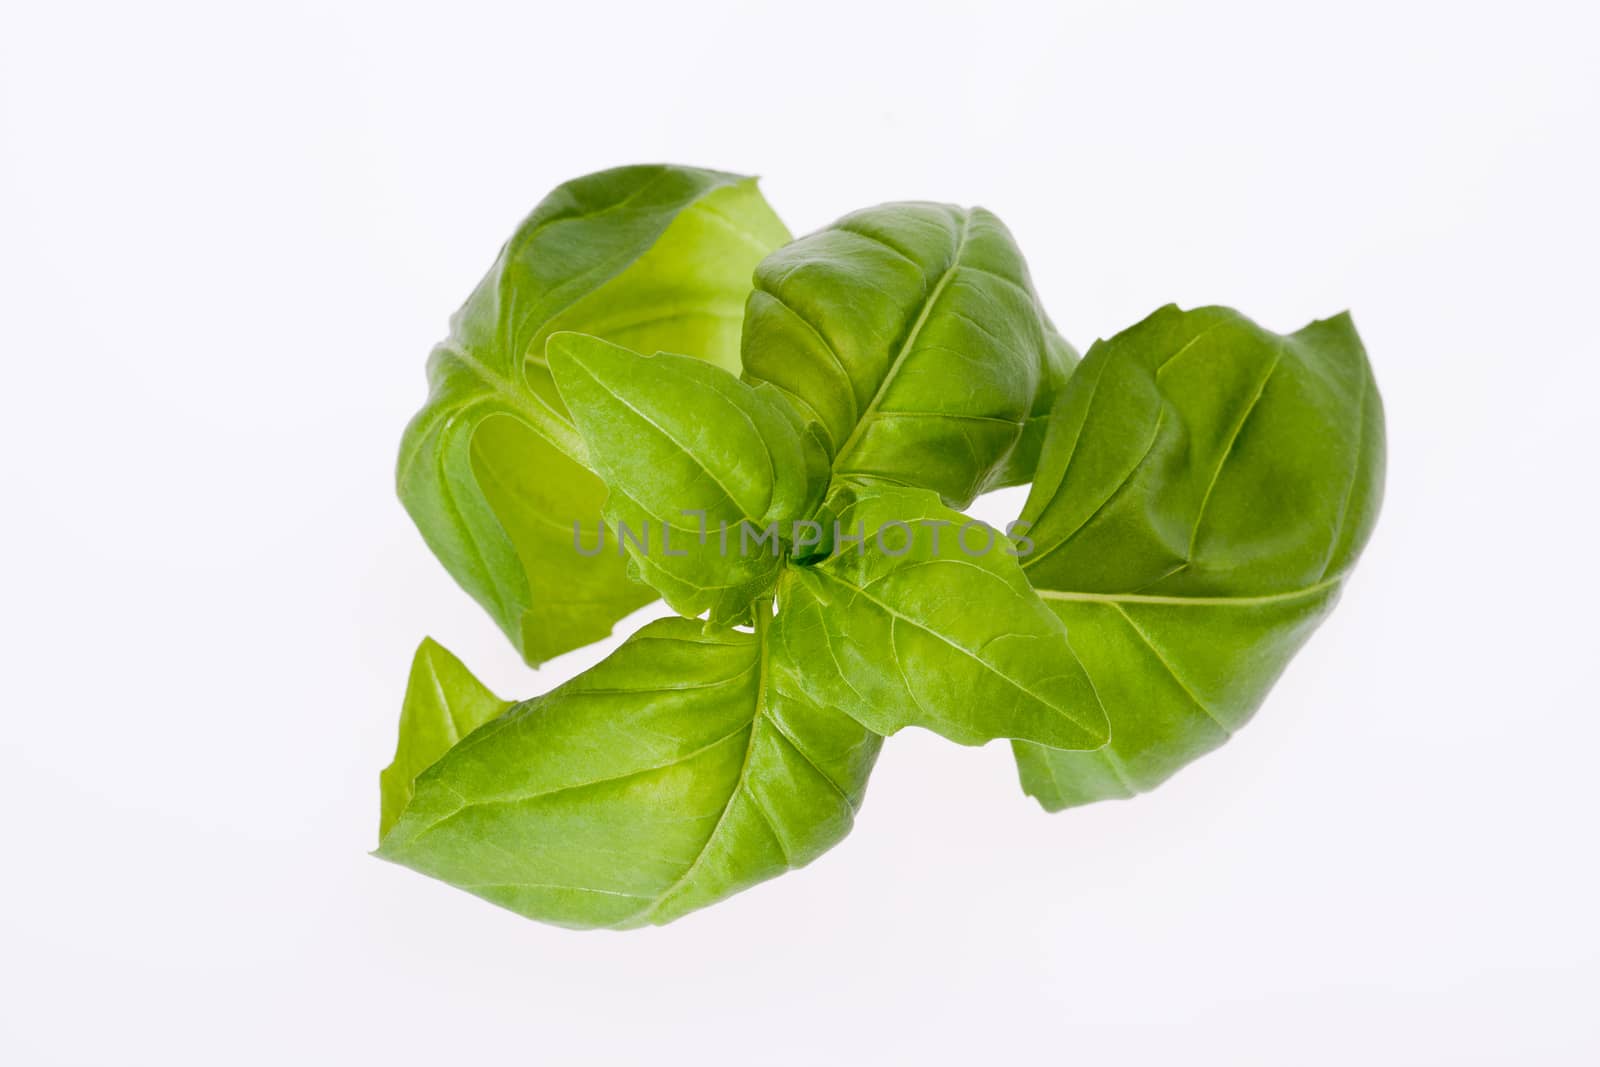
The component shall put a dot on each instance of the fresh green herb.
(912, 335)
(679, 770)
(656, 393)
(1204, 490)
(683, 445)
(931, 623)
(491, 469)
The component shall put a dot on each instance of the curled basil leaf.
(705, 473)
(928, 621)
(491, 469)
(911, 334)
(1058, 359)
(1204, 489)
(674, 773)
(443, 704)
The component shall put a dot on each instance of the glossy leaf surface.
(674, 773)
(931, 623)
(491, 469)
(911, 334)
(698, 465)
(1204, 488)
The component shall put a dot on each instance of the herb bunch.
(657, 393)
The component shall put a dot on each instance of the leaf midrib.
(909, 345)
(1189, 601)
(967, 652)
(763, 622)
(684, 449)
(527, 404)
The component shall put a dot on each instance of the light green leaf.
(911, 334)
(673, 774)
(443, 704)
(491, 469)
(929, 622)
(699, 465)
(1205, 487)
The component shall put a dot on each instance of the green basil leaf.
(1204, 488)
(929, 622)
(443, 704)
(699, 466)
(813, 444)
(676, 772)
(911, 334)
(1058, 359)
(491, 469)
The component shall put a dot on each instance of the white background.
(228, 238)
